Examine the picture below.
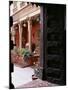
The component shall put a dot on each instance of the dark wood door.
(56, 61)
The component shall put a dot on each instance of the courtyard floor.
(22, 78)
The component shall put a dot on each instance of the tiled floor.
(21, 76)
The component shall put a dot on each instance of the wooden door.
(56, 61)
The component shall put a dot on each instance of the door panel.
(55, 44)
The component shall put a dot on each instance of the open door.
(53, 43)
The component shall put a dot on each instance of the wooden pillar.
(20, 35)
(13, 34)
(43, 43)
(29, 33)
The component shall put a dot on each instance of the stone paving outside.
(22, 78)
(37, 83)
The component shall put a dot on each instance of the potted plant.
(25, 53)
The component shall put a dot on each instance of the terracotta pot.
(29, 60)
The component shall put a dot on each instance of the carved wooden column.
(13, 34)
(20, 34)
(29, 32)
